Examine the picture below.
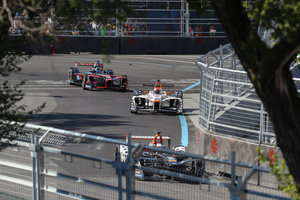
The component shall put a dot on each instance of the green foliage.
(14, 116)
(281, 16)
(281, 173)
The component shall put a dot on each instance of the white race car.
(157, 100)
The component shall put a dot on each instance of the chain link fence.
(150, 18)
(58, 164)
(229, 104)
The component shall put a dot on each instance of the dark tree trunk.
(279, 96)
(269, 72)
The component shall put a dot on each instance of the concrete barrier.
(202, 45)
(153, 45)
(103, 45)
(122, 45)
(25, 44)
(221, 147)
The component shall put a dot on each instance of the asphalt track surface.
(107, 112)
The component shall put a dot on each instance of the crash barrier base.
(120, 45)
(48, 163)
(220, 146)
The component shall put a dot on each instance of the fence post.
(33, 155)
(130, 174)
(39, 168)
(187, 20)
(34, 149)
(233, 188)
(119, 172)
(117, 25)
(242, 195)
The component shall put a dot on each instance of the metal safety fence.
(229, 104)
(150, 18)
(48, 163)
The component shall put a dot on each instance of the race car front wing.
(174, 105)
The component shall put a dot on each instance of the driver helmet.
(97, 64)
(180, 148)
(157, 90)
(159, 145)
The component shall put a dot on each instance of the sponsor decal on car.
(138, 175)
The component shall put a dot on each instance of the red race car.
(97, 77)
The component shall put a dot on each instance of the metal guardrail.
(150, 18)
(61, 164)
(229, 104)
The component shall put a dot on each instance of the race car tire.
(122, 83)
(182, 105)
(70, 77)
(84, 82)
(178, 112)
(141, 173)
(135, 106)
(200, 168)
(136, 111)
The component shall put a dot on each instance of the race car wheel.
(70, 78)
(84, 82)
(134, 111)
(200, 168)
(178, 110)
(135, 107)
(139, 174)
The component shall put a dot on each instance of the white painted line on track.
(167, 60)
(46, 86)
(142, 63)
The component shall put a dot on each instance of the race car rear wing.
(152, 85)
(86, 64)
(168, 138)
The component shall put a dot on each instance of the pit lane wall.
(121, 45)
(220, 146)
